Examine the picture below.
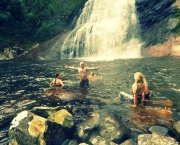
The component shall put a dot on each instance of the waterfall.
(105, 29)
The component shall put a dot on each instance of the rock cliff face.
(159, 22)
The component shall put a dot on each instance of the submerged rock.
(145, 117)
(63, 95)
(160, 129)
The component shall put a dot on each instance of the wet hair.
(92, 73)
(139, 77)
(57, 75)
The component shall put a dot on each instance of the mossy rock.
(62, 117)
(30, 129)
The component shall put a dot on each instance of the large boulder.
(112, 128)
(176, 129)
(129, 142)
(86, 127)
(29, 129)
(156, 139)
(106, 127)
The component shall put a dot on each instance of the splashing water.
(105, 30)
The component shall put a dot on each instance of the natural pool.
(23, 84)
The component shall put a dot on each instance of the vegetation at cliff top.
(30, 21)
(177, 15)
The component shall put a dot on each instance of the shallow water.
(27, 81)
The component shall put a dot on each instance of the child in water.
(92, 77)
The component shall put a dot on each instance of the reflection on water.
(27, 82)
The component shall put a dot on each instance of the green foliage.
(177, 15)
(30, 21)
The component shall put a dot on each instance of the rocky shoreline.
(70, 123)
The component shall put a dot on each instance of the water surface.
(28, 80)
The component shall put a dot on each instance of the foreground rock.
(106, 127)
(176, 129)
(30, 129)
(156, 139)
(56, 126)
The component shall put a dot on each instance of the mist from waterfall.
(105, 30)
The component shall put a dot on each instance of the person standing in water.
(140, 88)
(82, 72)
(57, 82)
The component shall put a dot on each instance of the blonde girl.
(140, 88)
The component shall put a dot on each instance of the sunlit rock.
(172, 23)
(177, 4)
(158, 50)
(86, 127)
(155, 139)
(83, 144)
(97, 140)
(176, 128)
(129, 142)
(112, 128)
(30, 129)
(105, 128)
(37, 126)
(62, 117)
(175, 50)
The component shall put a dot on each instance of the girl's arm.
(134, 89)
(51, 83)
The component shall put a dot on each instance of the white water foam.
(105, 30)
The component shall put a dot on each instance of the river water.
(26, 82)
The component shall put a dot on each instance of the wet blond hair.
(139, 77)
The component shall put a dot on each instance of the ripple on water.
(116, 76)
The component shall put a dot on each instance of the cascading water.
(105, 29)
